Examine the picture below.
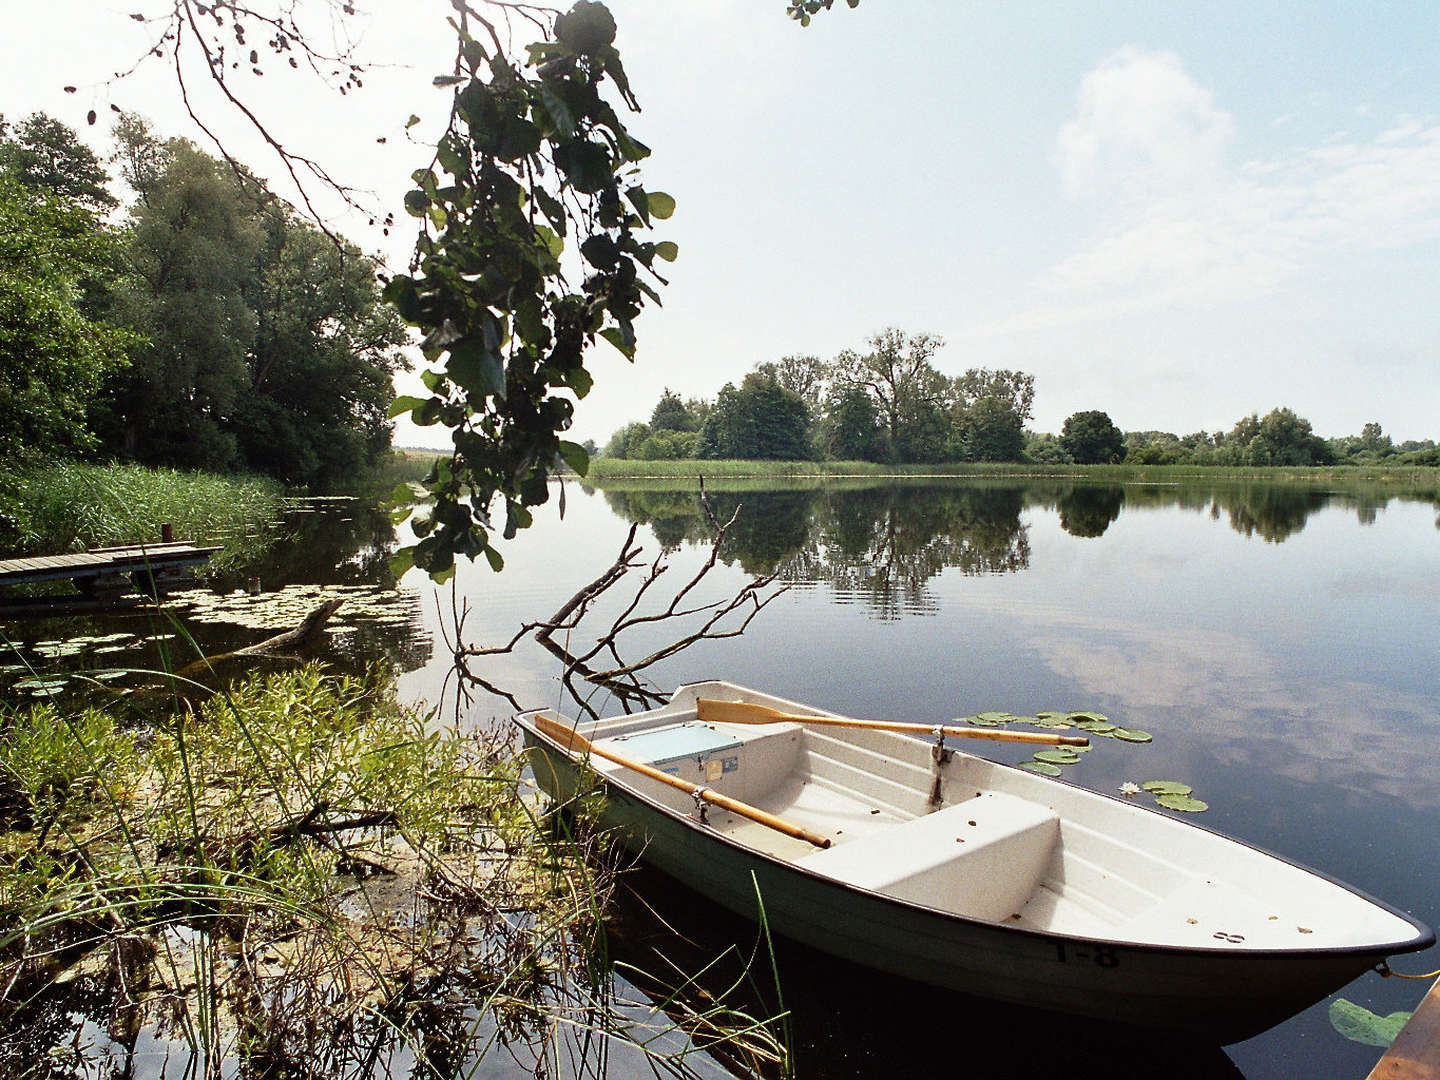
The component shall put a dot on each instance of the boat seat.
(982, 857)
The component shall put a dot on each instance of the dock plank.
(1415, 1053)
(103, 562)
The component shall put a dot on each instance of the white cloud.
(1143, 128)
(1147, 147)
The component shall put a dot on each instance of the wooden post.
(167, 534)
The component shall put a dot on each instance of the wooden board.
(1415, 1053)
(102, 561)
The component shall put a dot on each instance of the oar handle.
(573, 741)
(747, 712)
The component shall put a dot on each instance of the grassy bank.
(603, 470)
(69, 506)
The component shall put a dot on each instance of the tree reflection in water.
(881, 542)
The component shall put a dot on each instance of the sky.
(1179, 214)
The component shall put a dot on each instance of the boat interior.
(972, 837)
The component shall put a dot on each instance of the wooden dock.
(104, 575)
(1415, 1053)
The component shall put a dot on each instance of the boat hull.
(1222, 994)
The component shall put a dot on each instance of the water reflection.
(881, 542)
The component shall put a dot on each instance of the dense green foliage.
(68, 506)
(1091, 438)
(533, 153)
(56, 346)
(212, 329)
(758, 420)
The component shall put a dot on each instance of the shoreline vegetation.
(605, 470)
(55, 507)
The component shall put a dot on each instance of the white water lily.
(1128, 789)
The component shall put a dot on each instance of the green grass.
(68, 506)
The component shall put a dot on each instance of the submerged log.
(305, 636)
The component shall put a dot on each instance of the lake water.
(1278, 643)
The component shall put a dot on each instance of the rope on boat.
(1387, 972)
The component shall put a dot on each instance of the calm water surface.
(1279, 645)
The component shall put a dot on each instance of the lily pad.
(1054, 723)
(1131, 735)
(1042, 767)
(1063, 756)
(1359, 1024)
(1167, 787)
(985, 719)
(33, 684)
(1182, 802)
(1093, 717)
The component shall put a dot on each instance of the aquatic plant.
(300, 874)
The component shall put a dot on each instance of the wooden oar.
(745, 712)
(573, 741)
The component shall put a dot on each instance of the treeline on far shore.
(889, 405)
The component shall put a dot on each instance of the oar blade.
(738, 712)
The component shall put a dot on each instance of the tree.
(1283, 438)
(54, 355)
(991, 430)
(1015, 388)
(322, 361)
(758, 420)
(194, 245)
(626, 442)
(670, 414)
(47, 156)
(850, 430)
(901, 381)
(806, 375)
(1091, 438)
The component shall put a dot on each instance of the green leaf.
(1042, 767)
(579, 380)
(667, 250)
(558, 111)
(1182, 802)
(403, 405)
(661, 204)
(1131, 735)
(402, 560)
(447, 80)
(576, 456)
(640, 201)
(1167, 787)
(401, 293)
(493, 557)
(475, 368)
(1095, 717)
(1359, 1024)
(586, 166)
(615, 337)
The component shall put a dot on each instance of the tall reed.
(67, 506)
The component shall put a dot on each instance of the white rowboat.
(964, 873)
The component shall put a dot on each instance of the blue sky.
(1179, 214)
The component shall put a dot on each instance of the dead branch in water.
(707, 621)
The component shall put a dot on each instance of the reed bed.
(69, 506)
